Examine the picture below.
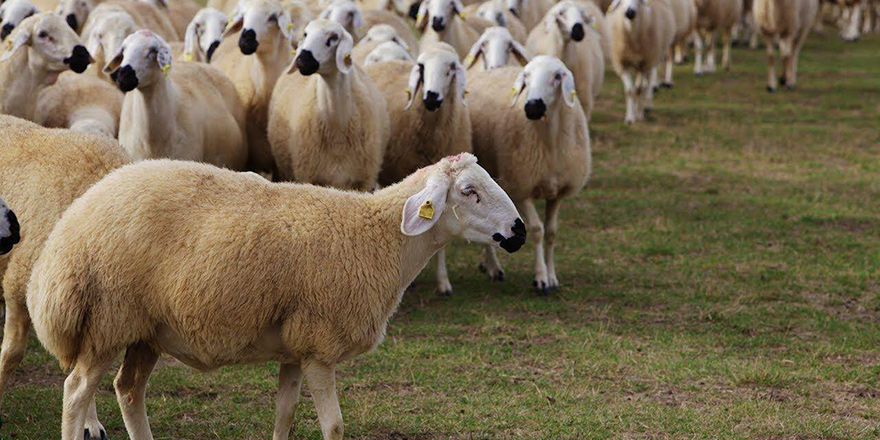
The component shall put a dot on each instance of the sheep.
(41, 47)
(572, 32)
(9, 229)
(310, 282)
(641, 36)
(377, 35)
(12, 13)
(261, 55)
(180, 12)
(715, 16)
(786, 23)
(494, 49)
(424, 133)
(386, 51)
(496, 12)
(104, 32)
(147, 16)
(189, 112)
(81, 103)
(331, 128)
(354, 20)
(685, 14)
(42, 171)
(542, 152)
(530, 12)
(203, 35)
(447, 25)
(300, 16)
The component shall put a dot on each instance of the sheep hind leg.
(15, 335)
(536, 234)
(289, 383)
(667, 80)
(79, 393)
(444, 287)
(710, 53)
(643, 87)
(321, 379)
(698, 53)
(131, 389)
(725, 49)
(551, 223)
(771, 65)
(629, 91)
(490, 264)
(93, 428)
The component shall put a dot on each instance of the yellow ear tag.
(468, 59)
(426, 211)
(408, 93)
(465, 93)
(513, 91)
(595, 25)
(289, 26)
(463, 15)
(571, 95)
(188, 56)
(9, 44)
(166, 68)
(418, 18)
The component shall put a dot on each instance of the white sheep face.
(516, 7)
(325, 49)
(9, 228)
(439, 75)
(494, 48)
(107, 31)
(143, 60)
(571, 20)
(439, 13)
(493, 11)
(460, 198)
(545, 79)
(262, 23)
(347, 14)
(203, 34)
(387, 51)
(12, 13)
(383, 33)
(75, 12)
(52, 45)
(630, 7)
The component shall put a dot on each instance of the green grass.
(721, 280)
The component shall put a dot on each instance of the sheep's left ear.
(163, 58)
(236, 21)
(519, 52)
(568, 91)
(422, 16)
(114, 62)
(22, 38)
(191, 41)
(518, 86)
(413, 85)
(461, 83)
(285, 25)
(422, 210)
(459, 8)
(358, 22)
(343, 52)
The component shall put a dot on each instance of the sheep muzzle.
(79, 59)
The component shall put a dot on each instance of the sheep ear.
(422, 16)
(191, 41)
(343, 53)
(285, 25)
(459, 8)
(474, 54)
(461, 83)
(114, 62)
(163, 58)
(21, 38)
(412, 87)
(162, 3)
(518, 86)
(325, 14)
(568, 91)
(401, 43)
(236, 21)
(422, 210)
(519, 52)
(358, 22)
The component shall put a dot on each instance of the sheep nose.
(6, 243)
(432, 101)
(513, 244)
(307, 63)
(248, 42)
(501, 20)
(79, 59)
(414, 10)
(535, 109)
(437, 24)
(211, 49)
(125, 78)
(7, 29)
(71, 21)
(577, 32)
(630, 13)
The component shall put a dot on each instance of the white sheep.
(147, 16)
(787, 26)
(203, 35)
(300, 16)
(539, 151)
(328, 124)
(9, 228)
(356, 21)
(641, 35)
(180, 12)
(12, 13)
(442, 21)
(376, 36)
(423, 133)
(494, 49)
(387, 51)
(82, 103)
(530, 12)
(713, 17)
(496, 12)
(188, 112)
(42, 171)
(311, 280)
(38, 50)
(685, 14)
(104, 32)
(574, 32)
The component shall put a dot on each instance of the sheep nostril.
(432, 101)
(7, 29)
(577, 32)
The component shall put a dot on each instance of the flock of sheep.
(215, 264)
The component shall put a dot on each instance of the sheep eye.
(470, 191)
(332, 39)
(273, 17)
(43, 34)
(557, 77)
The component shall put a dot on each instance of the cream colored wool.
(685, 14)
(82, 103)
(786, 23)
(495, 12)
(180, 12)
(375, 37)
(456, 30)
(714, 17)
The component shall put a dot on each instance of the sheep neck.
(269, 67)
(455, 33)
(555, 125)
(158, 111)
(334, 97)
(22, 84)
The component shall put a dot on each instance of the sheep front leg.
(551, 223)
(490, 265)
(289, 382)
(444, 287)
(646, 92)
(79, 392)
(322, 383)
(667, 80)
(131, 389)
(93, 428)
(536, 234)
(698, 53)
(710, 53)
(771, 65)
(725, 49)
(15, 335)
(629, 90)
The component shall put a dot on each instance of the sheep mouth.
(577, 32)
(125, 78)
(513, 244)
(306, 63)
(79, 60)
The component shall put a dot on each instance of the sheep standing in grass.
(36, 52)
(640, 37)
(203, 35)
(12, 13)
(188, 112)
(786, 23)
(494, 49)
(376, 36)
(9, 229)
(573, 32)
(425, 132)
(713, 17)
(82, 103)
(442, 21)
(328, 124)
(134, 265)
(386, 51)
(540, 151)
(42, 171)
(685, 14)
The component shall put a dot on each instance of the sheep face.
(387, 51)
(141, 61)
(494, 47)
(12, 13)
(325, 49)
(203, 34)
(53, 46)
(493, 11)
(9, 229)
(630, 7)
(346, 13)
(75, 12)
(383, 33)
(516, 7)
(107, 31)
(440, 13)
(439, 74)
(544, 79)
(571, 20)
(260, 22)
(461, 199)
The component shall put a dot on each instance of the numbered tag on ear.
(426, 211)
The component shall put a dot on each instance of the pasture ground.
(721, 280)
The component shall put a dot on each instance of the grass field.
(721, 280)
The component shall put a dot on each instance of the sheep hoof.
(498, 276)
(771, 89)
(789, 87)
(655, 89)
(87, 435)
(445, 292)
(483, 268)
(698, 73)
(541, 288)
(666, 85)
(782, 80)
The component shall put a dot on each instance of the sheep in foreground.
(446, 25)
(494, 49)
(37, 51)
(9, 229)
(714, 16)
(82, 103)
(42, 171)
(328, 124)
(424, 133)
(376, 36)
(640, 37)
(187, 112)
(785, 23)
(254, 64)
(573, 32)
(203, 35)
(387, 51)
(540, 151)
(12, 13)
(311, 281)
(685, 14)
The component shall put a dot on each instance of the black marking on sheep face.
(125, 78)
(79, 60)
(513, 244)
(71, 21)
(535, 109)
(211, 49)
(248, 42)
(630, 13)
(577, 32)
(6, 30)
(306, 63)
(437, 24)
(432, 101)
(6, 243)
(414, 10)
(514, 12)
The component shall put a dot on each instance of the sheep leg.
(131, 389)
(771, 65)
(490, 265)
(629, 90)
(551, 223)
(322, 383)
(641, 86)
(851, 28)
(79, 392)
(655, 79)
(679, 53)
(93, 428)
(698, 53)
(647, 94)
(289, 382)
(536, 234)
(444, 287)
(725, 49)
(15, 334)
(670, 57)
(710, 53)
